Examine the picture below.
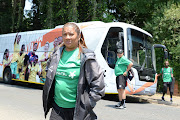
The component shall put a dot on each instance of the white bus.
(102, 38)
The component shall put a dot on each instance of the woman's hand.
(125, 73)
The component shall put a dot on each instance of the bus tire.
(7, 76)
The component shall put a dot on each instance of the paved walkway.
(157, 99)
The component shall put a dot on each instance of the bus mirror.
(165, 49)
(165, 54)
(170, 56)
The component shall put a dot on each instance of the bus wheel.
(7, 76)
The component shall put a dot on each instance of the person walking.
(167, 76)
(74, 80)
(123, 65)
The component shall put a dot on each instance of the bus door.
(140, 53)
(113, 40)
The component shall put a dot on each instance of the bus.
(24, 55)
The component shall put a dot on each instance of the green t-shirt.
(66, 79)
(167, 74)
(121, 65)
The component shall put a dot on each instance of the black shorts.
(120, 82)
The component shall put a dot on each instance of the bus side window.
(111, 59)
(113, 40)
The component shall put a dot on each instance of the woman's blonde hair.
(81, 42)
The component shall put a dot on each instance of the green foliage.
(5, 15)
(165, 27)
(134, 11)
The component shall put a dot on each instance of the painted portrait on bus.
(15, 56)
(20, 61)
(6, 62)
(33, 67)
(43, 62)
(34, 70)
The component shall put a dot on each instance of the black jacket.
(90, 87)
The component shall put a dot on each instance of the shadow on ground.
(129, 99)
(24, 85)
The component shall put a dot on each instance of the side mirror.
(165, 54)
(165, 49)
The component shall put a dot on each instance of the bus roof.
(84, 23)
(26, 32)
(93, 24)
(125, 25)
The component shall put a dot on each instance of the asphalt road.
(19, 102)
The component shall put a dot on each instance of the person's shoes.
(163, 99)
(123, 106)
(171, 100)
(118, 105)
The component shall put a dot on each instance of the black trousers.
(168, 84)
(59, 113)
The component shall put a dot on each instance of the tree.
(165, 27)
(17, 15)
(135, 12)
(5, 15)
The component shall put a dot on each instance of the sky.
(28, 5)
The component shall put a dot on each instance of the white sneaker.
(122, 106)
(118, 105)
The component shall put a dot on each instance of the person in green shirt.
(74, 80)
(123, 65)
(167, 75)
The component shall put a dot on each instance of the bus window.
(140, 53)
(137, 49)
(141, 49)
(149, 52)
(113, 40)
(140, 56)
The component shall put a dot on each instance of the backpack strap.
(162, 72)
(171, 71)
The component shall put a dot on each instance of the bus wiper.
(142, 67)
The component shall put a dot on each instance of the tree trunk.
(17, 14)
(21, 5)
(94, 9)
(50, 15)
(14, 3)
(74, 11)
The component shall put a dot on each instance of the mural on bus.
(28, 55)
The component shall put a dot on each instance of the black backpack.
(130, 74)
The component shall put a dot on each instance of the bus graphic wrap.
(24, 55)
(34, 69)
